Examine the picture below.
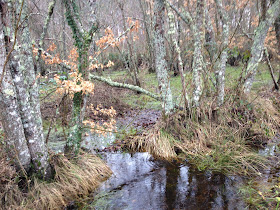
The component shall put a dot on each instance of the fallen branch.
(108, 81)
(111, 83)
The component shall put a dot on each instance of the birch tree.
(222, 60)
(172, 33)
(258, 44)
(19, 93)
(197, 55)
(160, 57)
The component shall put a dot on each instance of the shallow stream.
(139, 182)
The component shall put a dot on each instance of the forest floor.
(258, 192)
(140, 120)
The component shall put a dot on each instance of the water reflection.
(139, 182)
(95, 141)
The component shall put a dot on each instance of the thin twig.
(271, 69)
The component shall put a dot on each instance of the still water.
(139, 182)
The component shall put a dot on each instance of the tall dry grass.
(74, 179)
(216, 138)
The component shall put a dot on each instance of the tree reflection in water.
(139, 182)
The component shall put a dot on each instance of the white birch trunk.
(9, 112)
(221, 65)
(258, 44)
(172, 33)
(198, 57)
(160, 57)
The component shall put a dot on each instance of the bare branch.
(127, 86)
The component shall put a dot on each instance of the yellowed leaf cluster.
(108, 38)
(75, 83)
(97, 65)
(271, 42)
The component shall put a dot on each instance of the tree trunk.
(9, 114)
(172, 31)
(40, 62)
(82, 40)
(258, 44)
(160, 57)
(148, 37)
(210, 43)
(132, 56)
(221, 62)
(198, 56)
(263, 9)
(277, 30)
(21, 69)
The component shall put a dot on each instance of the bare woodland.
(70, 46)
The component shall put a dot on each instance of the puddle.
(95, 141)
(139, 182)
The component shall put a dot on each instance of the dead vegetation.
(9, 190)
(220, 139)
(73, 180)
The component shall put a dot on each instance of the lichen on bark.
(197, 55)
(160, 57)
(258, 44)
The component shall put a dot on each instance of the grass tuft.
(221, 139)
(73, 180)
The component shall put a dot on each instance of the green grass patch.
(149, 82)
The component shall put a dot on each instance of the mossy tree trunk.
(258, 44)
(22, 92)
(10, 117)
(82, 40)
(160, 57)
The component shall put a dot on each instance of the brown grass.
(74, 179)
(216, 139)
(9, 190)
(156, 142)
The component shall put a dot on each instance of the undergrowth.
(260, 195)
(222, 139)
(73, 180)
